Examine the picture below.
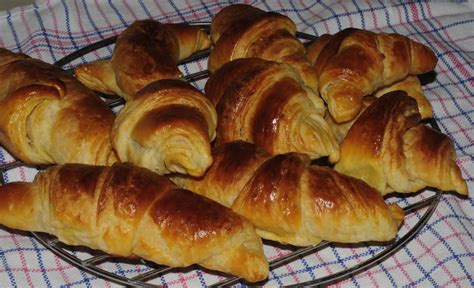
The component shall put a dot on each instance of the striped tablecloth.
(441, 254)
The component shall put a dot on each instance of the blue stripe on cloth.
(68, 28)
(15, 36)
(308, 269)
(277, 278)
(177, 10)
(39, 259)
(148, 14)
(335, 15)
(40, 22)
(98, 32)
(201, 277)
(124, 23)
(6, 267)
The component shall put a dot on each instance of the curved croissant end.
(47, 116)
(389, 149)
(144, 52)
(167, 127)
(290, 201)
(243, 31)
(266, 103)
(129, 211)
(355, 63)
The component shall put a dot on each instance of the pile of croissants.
(244, 146)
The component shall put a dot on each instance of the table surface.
(441, 254)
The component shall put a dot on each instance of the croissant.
(49, 117)
(144, 52)
(243, 31)
(266, 103)
(411, 85)
(130, 211)
(388, 148)
(290, 201)
(355, 63)
(167, 127)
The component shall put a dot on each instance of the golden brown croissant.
(292, 202)
(266, 103)
(355, 63)
(388, 148)
(129, 211)
(243, 31)
(144, 52)
(411, 85)
(167, 127)
(47, 116)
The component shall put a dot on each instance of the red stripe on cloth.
(462, 69)
(374, 16)
(453, 119)
(22, 260)
(131, 11)
(347, 12)
(82, 27)
(28, 30)
(61, 269)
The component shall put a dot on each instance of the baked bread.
(290, 201)
(129, 211)
(389, 149)
(144, 52)
(355, 63)
(266, 103)
(47, 116)
(411, 85)
(168, 127)
(243, 31)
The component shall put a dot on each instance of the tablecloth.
(441, 254)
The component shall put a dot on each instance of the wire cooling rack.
(423, 204)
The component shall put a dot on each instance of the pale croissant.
(144, 52)
(129, 211)
(168, 127)
(290, 201)
(47, 116)
(243, 31)
(267, 103)
(389, 149)
(355, 63)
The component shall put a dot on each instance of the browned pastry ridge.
(130, 211)
(389, 149)
(168, 127)
(355, 63)
(290, 201)
(144, 52)
(411, 85)
(266, 103)
(243, 31)
(47, 116)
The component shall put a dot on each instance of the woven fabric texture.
(441, 254)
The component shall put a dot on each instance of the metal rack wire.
(91, 264)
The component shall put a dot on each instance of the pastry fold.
(144, 52)
(266, 103)
(168, 127)
(47, 116)
(290, 201)
(129, 211)
(389, 149)
(355, 63)
(243, 31)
